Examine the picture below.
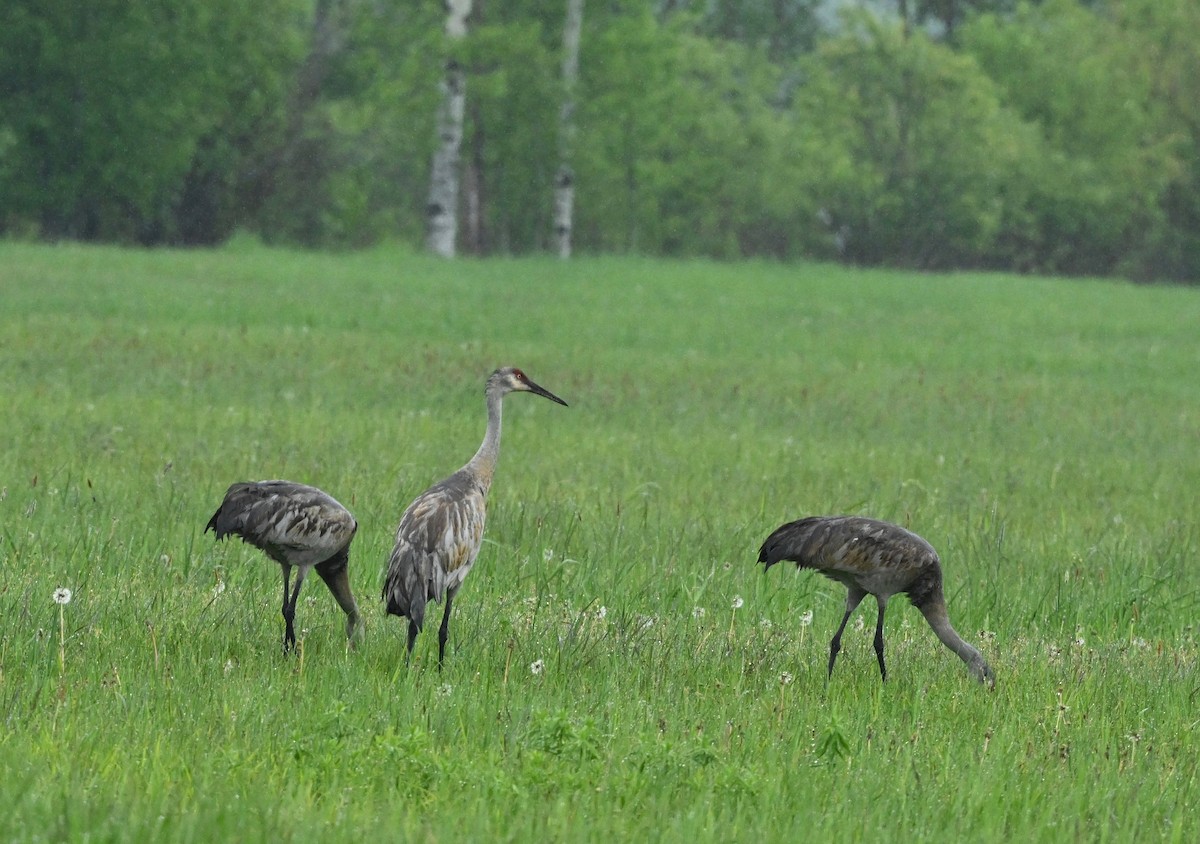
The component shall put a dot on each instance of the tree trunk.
(564, 180)
(442, 208)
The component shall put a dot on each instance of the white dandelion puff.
(737, 602)
(806, 618)
(602, 613)
(445, 690)
(698, 612)
(785, 679)
(62, 595)
(537, 666)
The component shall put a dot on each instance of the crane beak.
(542, 391)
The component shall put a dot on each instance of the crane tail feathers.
(788, 542)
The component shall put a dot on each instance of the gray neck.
(483, 464)
(939, 620)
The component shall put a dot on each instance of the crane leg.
(289, 605)
(853, 599)
(444, 630)
(879, 639)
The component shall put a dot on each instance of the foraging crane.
(441, 531)
(296, 526)
(879, 558)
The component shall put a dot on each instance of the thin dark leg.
(289, 612)
(444, 630)
(879, 640)
(289, 635)
(853, 599)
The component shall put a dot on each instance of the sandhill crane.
(879, 558)
(441, 531)
(296, 526)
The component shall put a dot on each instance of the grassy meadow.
(1043, 435)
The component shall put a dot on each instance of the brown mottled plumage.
(441, 531)
(295, 525)
(878, 558)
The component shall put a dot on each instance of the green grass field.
(1044, 435)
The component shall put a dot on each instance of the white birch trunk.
(442, 208)
(564, 180)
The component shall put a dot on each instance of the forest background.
(1057, 137)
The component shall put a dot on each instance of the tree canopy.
(1060, 136)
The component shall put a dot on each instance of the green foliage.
(662, 117)
(1164, 35)
(912, 159)
(1100, 175)
(1040, 432)
(1059, 136)
(108, 107)
(356, 170)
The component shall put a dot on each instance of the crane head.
(509, 379)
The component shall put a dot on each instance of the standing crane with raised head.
(878, 558)
(442, 530)
(299, 527)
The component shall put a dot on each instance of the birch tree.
(564, 180)
(442, 208)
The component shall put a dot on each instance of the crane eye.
(518, 374)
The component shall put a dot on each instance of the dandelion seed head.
(737, 602)
(806, 618)
(62, 595)
(785, 679)
(698, 612)
(537, 666)
(445, 690)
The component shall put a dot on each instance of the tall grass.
(1044, 435)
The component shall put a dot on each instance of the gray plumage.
(878, 558)
(299, 527)
(441, 531)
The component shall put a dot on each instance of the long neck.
(483, 464)
(935, 613)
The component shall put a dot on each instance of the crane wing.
(845, 547)
(436, 544)
(293, 523)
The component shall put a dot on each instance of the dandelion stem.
(62, 643)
